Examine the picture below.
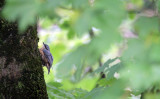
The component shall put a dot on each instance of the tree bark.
(21, 73)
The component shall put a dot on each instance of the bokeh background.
(102, 49)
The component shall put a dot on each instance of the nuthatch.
(47, 58)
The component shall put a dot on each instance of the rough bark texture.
(21, 73)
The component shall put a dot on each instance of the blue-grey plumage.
(47, 58)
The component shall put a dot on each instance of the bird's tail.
(48, 67)
(48, 70)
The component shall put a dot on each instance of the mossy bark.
(21, 73)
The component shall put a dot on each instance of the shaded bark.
(21, 73)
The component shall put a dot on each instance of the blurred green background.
(92, 38)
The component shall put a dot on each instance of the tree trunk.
(21, 73)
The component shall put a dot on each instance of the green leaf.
(87, 83)
(70, 60)
(101, 12)
(111, 71)
(80, 3)
(78, 73)
(105, 66)
(115, 91)
(154, 57)
(55, 92)
(79, 93)
(71, 34)
(25, 11)
(136, 51)
(93, 93)
(105, 82)
(152, 96)
(158, 4)
(151, 26)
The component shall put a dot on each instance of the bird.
(46, 56)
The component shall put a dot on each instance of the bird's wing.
(49, 56)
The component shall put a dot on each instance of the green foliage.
(24, 11)
(75, 48)
(148, 28)
(152, 96)
(55, 92)
(105, 66)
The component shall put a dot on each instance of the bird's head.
(46, 46)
